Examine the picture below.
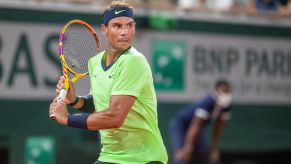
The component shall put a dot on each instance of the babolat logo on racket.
(117, 12)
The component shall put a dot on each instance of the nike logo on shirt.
(117, 12)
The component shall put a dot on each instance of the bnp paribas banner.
(185, 65)
(188, 65)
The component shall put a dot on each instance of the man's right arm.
(193, 130)
(185, 152)
(114, 116)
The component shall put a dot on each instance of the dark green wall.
(253, 128)
(21, 119)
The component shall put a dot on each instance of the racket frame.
(65, 68)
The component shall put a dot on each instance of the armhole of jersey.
(202, 113)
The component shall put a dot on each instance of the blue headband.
(117, 12)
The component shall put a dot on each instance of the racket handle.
(61, 97)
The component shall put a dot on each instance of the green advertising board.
(39, 150)
(168, 64)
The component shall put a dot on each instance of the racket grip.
(61, 97)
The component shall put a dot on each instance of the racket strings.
(79, 46)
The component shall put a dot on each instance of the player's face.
(120, 32)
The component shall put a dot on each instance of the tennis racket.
(78, 42)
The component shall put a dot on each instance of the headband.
(117, 12)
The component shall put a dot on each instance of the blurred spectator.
(188, 126)
(205, 5)
(285, 8)
(191, 4)
(221, 5)
(239, 7)
(259, 7)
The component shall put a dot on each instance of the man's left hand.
(184, 154)
(60, 111)
(213, 156)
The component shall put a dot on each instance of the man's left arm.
(217, 131)
(113, 117)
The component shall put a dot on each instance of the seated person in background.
(187, 127)
(192, 4)
(221, 5)
(284, 8)
(239, 7)
(205, 5)
(262, 7)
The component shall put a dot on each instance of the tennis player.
(122, 102)
(188, 126)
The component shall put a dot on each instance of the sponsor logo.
(117, 12)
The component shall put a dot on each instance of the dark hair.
(114, 4)
(222, 82)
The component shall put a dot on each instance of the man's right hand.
(71, 96)
(184, 154)
(214, 156)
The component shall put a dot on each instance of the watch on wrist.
(75, 102)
